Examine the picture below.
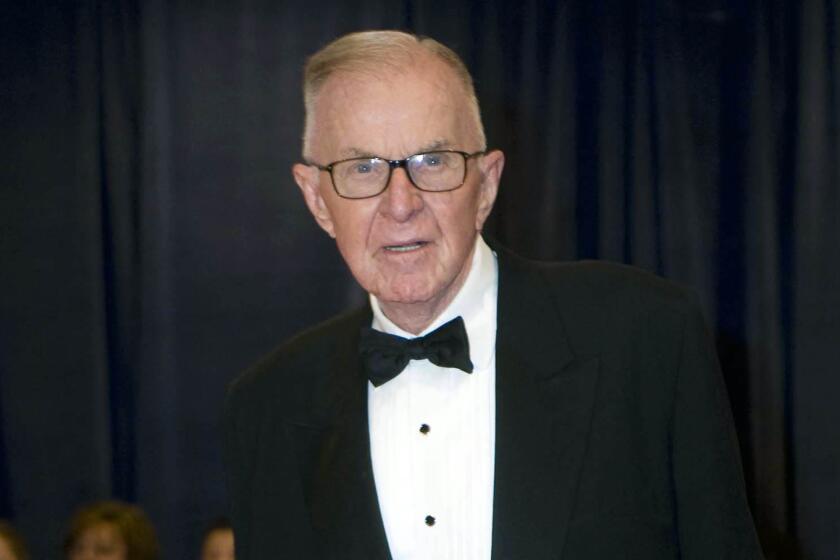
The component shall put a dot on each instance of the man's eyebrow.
(436, 145)
(356, 152)
(353, 152)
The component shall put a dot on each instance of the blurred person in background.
(12, 546)
(110, 530)
(217, 542)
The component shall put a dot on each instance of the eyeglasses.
(366, 177)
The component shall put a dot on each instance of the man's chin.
(407, 294)
(400, 298)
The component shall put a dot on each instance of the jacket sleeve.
(713, 516)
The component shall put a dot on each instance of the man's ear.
(491, 164)
(307, 178)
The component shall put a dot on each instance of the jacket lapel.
(544, 400)
(343, 503)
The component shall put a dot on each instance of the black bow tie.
(386, 355)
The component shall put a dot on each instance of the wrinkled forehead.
(390, 112)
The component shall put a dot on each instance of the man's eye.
(362, 168)
(432, 160)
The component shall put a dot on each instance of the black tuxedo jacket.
(614, 437)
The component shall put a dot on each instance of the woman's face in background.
(6, 550)
(218, 545)
(99, 542)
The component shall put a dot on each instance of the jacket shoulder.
(615, 283)
(297, 372)
(607, 305)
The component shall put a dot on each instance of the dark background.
(152, 242)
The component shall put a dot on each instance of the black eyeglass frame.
(393, 164)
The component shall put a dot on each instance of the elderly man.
(481, 406)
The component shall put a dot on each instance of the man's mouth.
(405, 247)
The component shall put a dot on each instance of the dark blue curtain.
(153, 244)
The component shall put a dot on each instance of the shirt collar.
(475, 302)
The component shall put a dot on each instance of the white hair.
(361, 51)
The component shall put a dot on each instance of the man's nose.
(401, 198)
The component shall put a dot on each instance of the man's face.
(405, 246)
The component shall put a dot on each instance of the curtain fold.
(810, 246)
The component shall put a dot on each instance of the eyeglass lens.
(434, 171)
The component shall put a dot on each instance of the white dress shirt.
(432, 434)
